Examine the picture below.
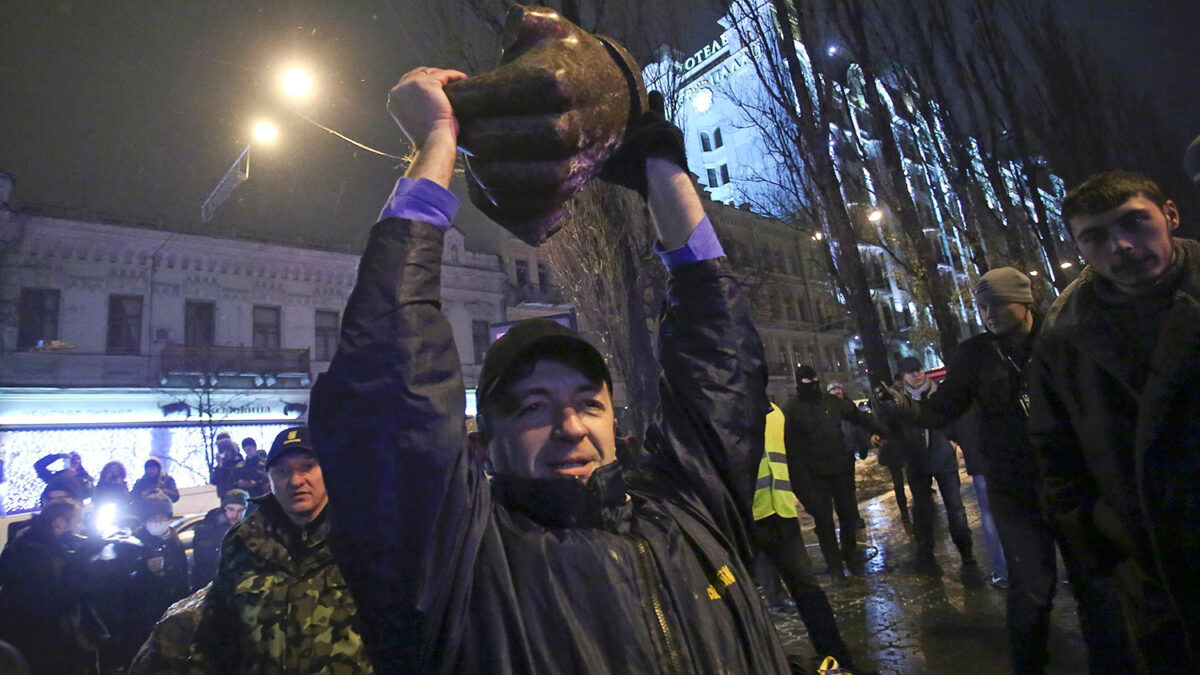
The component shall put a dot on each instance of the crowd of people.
(387, 537)
(85, 580)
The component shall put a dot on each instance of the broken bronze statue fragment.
(543, 123)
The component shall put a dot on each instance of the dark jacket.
(83, 481)
(279, 603)
(926, 451)
(635, 571)
(989, 373)
(162, 483)
(250, 475)
(813, 434)
(222, 475)
(206, 546)
(1118, 446)
(43, 607)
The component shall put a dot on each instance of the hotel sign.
(93, 407)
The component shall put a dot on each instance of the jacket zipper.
(646, 563)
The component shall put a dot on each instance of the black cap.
(805, 372)
(294, 439)
(909, 364)
(536, 337)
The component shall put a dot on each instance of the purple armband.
(423, 200)
(702, 245)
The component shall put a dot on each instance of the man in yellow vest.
(777, 534)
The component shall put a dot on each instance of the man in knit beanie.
(988, 371)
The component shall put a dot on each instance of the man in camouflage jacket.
(279, 603)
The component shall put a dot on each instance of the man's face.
(56, 496)
(74, 460)
(72, 523)
(153, 470)
(562, 424)
(1129, 245)
(250, 449)
(234, 513)
(1003, 318)
(838, 392)
(298, 486)
(915, 378)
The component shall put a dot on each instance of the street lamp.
(264, 132)
(875, 215)
(296, 83)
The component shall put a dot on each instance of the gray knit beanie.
(1004, 284)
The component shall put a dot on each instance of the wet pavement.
(897, 621)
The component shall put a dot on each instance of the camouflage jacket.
(279, 603)
(168, 649)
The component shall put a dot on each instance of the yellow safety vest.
(773, 491)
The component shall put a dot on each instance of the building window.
(717, 142)
(124, 324)
(522, 272)
(479, 339)
(724, 174)
(543, 276)
(706, 141)
(199, 324)
(37, 317)
(327, 335)
(266, 327)
(712, 178)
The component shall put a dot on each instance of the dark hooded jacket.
(1115, 425)
(636, 571)
(813, 434)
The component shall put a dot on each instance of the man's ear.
(1172, 213)
(477, 444)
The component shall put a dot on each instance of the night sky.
(136, 108)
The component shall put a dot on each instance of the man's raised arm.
(713, 389)
(387, 418)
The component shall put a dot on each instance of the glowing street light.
(265, 132)
(1033, 273)
(297, 83)
(833, 50)
(875, 215)
(1066, 264)
(818, 236)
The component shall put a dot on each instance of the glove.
(650, 135)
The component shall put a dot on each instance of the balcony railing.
(73, 369)
(217, 360)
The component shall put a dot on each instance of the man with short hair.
(206, 542)
(279, 603)
(930, 457)
(566, 561)
(1113, 410)
(251, 474)
(988, 370)
(44, 611)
